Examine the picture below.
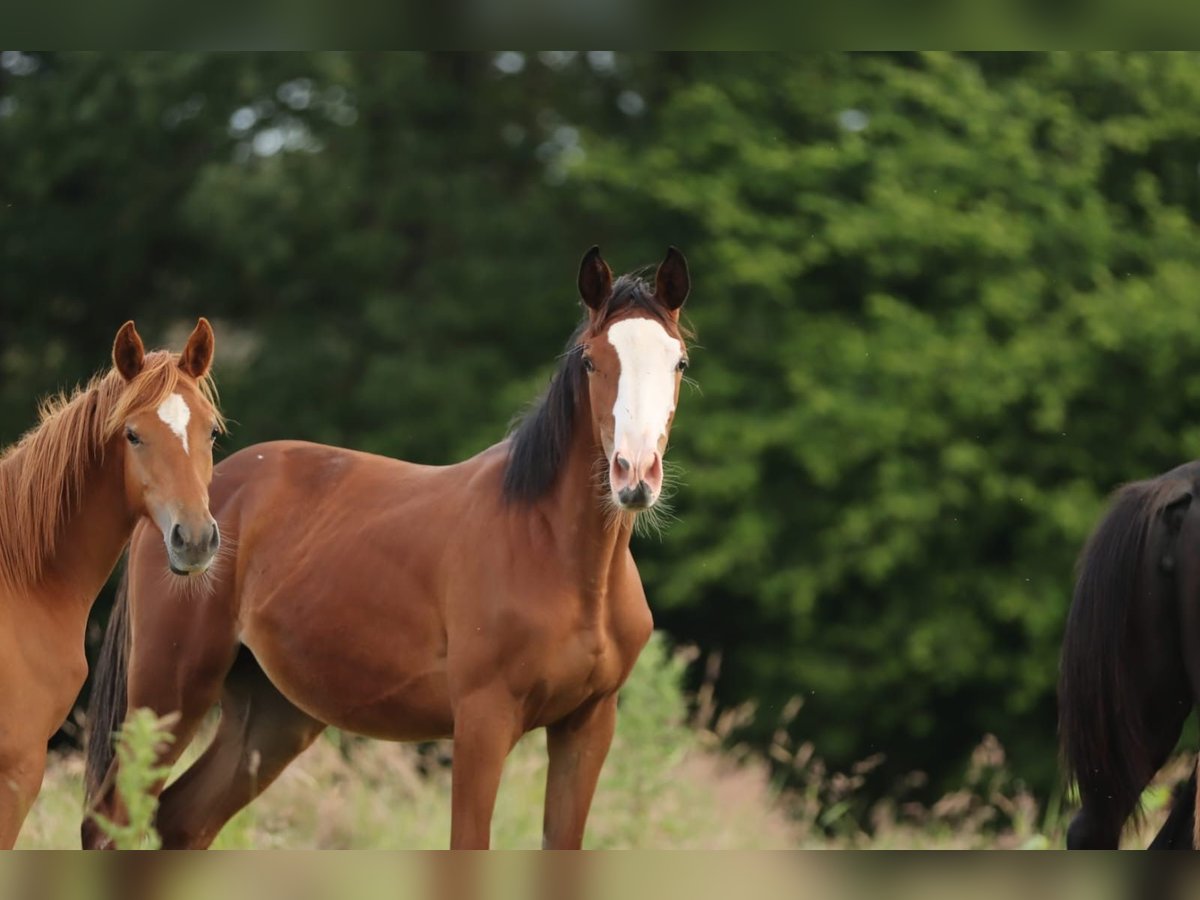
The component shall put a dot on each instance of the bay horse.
(112, 454)
(1130, 667)
(475, 601)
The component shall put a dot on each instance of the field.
(671, 781)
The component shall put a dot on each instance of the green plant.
(140, 743)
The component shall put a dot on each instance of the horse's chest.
(42, 667)
(582, 667)
(598, 663)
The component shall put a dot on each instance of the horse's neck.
(594, 540)
(92, 537)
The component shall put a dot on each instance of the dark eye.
(588, 365)
(682, 365)
(131, 436)
(216, 433)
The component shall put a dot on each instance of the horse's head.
(634, 356)
(165, 424)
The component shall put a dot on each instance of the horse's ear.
(1173, 515)
(1174, 512)
(197, 355)
(672, 282)
(128, 352)
(595, 279)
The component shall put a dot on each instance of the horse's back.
(300, 471)
(341, 555)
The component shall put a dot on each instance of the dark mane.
(541, 438)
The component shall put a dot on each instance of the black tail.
(1100, 699)
(106, 708)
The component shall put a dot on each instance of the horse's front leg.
(577, 746)
(21, 773)
(486, 726)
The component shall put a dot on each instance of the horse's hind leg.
(259, 734)
(1177, 832)
(1099, 822)
(1097, 825)
(187, 686)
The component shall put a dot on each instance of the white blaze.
(646, 387)
(175, 413)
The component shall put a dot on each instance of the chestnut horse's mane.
(41, 476)
(539, 440)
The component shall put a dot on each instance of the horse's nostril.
(177, 541)
(636, 496)
(214, 537)
(622, 463)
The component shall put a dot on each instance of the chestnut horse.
(476, 601)
(71, 492)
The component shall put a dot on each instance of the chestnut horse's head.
(634, 356)
(165, 423)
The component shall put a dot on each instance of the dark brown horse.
(1130, 668)
(476, 601)
(134, 445)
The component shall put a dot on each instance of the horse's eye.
(683, 364)
(216, 433)
(131, 436)
(588, 365)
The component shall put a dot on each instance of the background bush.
(945, 303)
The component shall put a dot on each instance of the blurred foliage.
(944, 304)
(140, 742)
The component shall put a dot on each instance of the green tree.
(945, 303)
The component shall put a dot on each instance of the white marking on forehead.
(646, 386)
(175, 412)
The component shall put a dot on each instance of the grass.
(671, 782)
(661, 787)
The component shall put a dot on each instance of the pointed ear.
(1176, 510)
(672, 282)
(595, 279)
(128, 353)
(197, 355)
(1173, 515)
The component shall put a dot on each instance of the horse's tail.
(1100, 720)
(106, 708)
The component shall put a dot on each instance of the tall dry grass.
(676, 778)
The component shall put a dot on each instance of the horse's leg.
(1176, 832)
(1097, 825)
(164, 683)
(20, 780)
(577, 747)
(1100, 820)
(259, 734)
(486, 725)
